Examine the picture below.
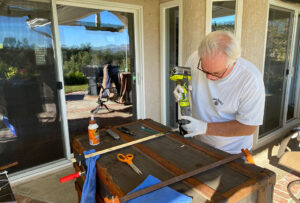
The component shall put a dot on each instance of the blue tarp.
(89, 187)
(165, 194)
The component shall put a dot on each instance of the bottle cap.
(92, 121)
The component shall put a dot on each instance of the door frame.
(163, 8)
(139, 67)
(138, 41)
(287, 126)
(238, 17)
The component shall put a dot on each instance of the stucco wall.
(151, 54)
(253, 28)
(193, 26)
(252, 41)
(255, 16)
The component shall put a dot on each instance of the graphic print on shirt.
(217, 101)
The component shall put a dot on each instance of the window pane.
(275, 66)
(294, 78)
(223, 16)
(172, 32)
(28, 94)
(91, 39)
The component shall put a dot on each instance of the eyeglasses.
(217, 75)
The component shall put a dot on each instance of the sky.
(16, 27)
(77, 35)
(71, 36)
(224, 20)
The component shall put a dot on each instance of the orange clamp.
(248, 156)
(112, 200)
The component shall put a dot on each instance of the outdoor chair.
(109, 86)
(290, 159)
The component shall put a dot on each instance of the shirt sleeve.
(252, 103)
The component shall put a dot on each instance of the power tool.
(182, 75)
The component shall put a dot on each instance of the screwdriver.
(126, 131)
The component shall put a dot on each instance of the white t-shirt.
(239, 96)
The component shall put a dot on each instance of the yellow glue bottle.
(94, 137)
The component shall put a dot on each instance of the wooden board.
(174, 155)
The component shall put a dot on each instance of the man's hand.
(195, 127)
(177, 92)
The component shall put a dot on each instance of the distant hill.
(113, 47)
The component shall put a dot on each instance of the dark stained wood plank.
(119, 174)
(203, 189)
(235, 181)
(178, 178)
(235, 166)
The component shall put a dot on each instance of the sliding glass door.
(171, 60)
(280, 73)
(28, 87)
(98, 46)
(294, 72)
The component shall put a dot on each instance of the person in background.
(228, 94)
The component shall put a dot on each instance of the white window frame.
(25, 175)
(163, 8)
(238, 17)
(257, 143)
(138, 39)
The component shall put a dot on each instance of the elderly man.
(228, 95)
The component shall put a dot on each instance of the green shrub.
(76, 78)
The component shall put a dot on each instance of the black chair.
(100, 102)
(107, 76)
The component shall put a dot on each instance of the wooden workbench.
(170, 156)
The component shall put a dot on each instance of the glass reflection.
(275, 65)
(223, 16)
(28, 95)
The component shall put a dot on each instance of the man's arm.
(230, 129)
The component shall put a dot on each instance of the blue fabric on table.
(162, 195)
(89, 187)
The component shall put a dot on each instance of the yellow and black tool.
(182, 76)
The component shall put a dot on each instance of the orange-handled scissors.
(128, 159)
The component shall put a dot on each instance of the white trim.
(106, 5)
(286, 5)
(180, 41)
(238, 17)
(163, 8)
(163, 118)
(60, 77)
(208, 15)
(139, 61)
(38, 171)
(138, 38)
(265, 42)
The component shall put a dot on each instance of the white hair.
(221, 41)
